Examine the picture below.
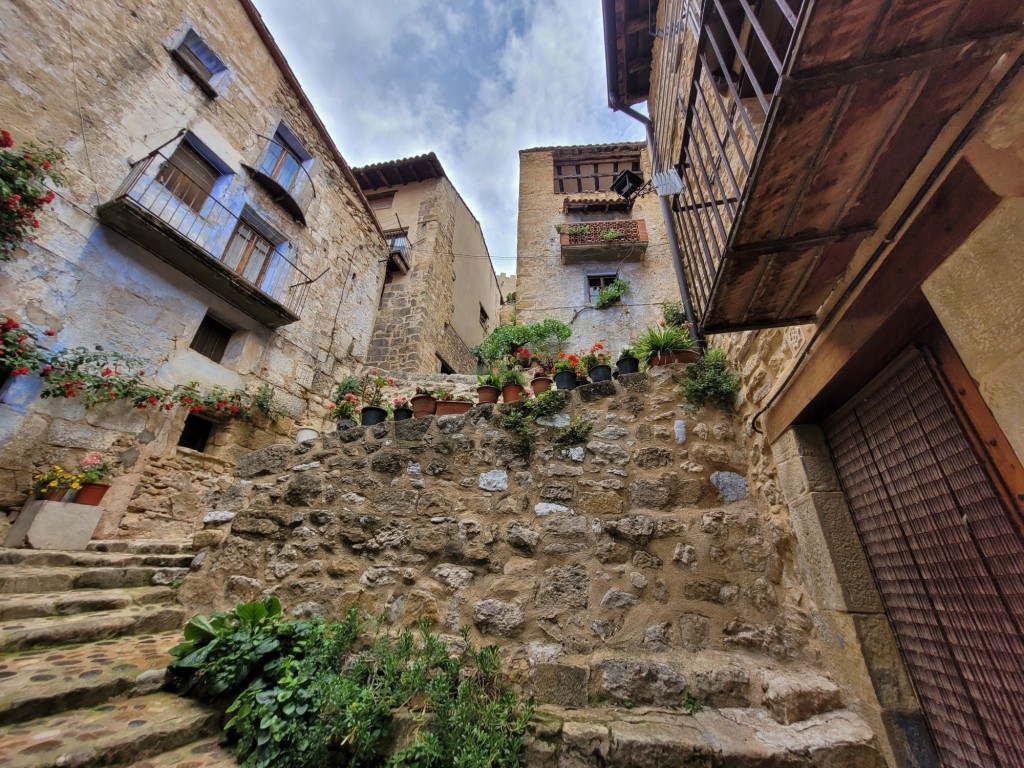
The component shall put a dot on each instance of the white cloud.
(474, 82)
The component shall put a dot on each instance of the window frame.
(206, 325)
(606, 278)
(373, 200)
(191, 419)
(190, 51)
(180, 180)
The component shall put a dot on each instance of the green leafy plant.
(24, 172)
(492, 379)
(673, 313)
(558, 228)
(612, 293)
(574, 434)
(610, 235)
(263, 399)
(627, 352)
(712, 380)
(510, 298)
(522, 416)
(312, 694)
(503, 341)
(577, 229)
(513, 376)
(691, 704)
(661, 340)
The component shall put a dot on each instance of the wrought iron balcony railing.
(239, 257)
(281, 172)
(622, 239)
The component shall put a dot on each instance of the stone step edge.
(76, 602)
(57, 631)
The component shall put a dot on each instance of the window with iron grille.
(189, 176)
(211, 339)
(595, 283)
(575, 172)
(200, 62)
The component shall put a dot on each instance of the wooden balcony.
(623, 240)
(804, 123)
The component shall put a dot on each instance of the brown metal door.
(946, 554)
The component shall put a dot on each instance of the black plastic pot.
(403, 413)
(628, 365)
(600, 373)
(373, 415)
(565, 380)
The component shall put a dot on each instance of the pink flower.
(92, 460)
(391, 380)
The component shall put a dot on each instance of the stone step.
(141, 546)
(38, 683)
(111, 734)
(89, 627)
(39, 579)
(199, 754)
(33, 606)
(646, 736)
(88, 559)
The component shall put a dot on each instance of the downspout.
(666, 214)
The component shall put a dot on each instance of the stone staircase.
(83, 644)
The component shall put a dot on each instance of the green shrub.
(691, 703)
(574, 434)
(312, 694)
(674, 313)
(612, 293)
(610, 234)
(666, 339)
(503, 341)
(712, 380)
(350, 385)
(522, 415)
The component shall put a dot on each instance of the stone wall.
(127, 97)
(615, 570)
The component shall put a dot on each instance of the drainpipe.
(666, 214)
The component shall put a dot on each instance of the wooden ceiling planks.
(862, 106)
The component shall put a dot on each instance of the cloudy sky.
(474, 81)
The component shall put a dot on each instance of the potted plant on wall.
(402, 410)
(372, 395)
(423, 403)
(512, 384)
(664, 345)
(565, 369)
(628, 362)
(54, 483)
(597, 363)
(489, 387)
(344, 410)
(94, 468)
(449, 403)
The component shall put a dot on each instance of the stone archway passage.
(946, 554)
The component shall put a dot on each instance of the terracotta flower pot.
(449, 407)
(600, 373)
(487, 394)
(541, 384)
(565, 380)
(510, 392)
(422, 405)
(54, 494)
(667, 358)
(627, 365)
(91, 494)
(373, 415)
(401, 414)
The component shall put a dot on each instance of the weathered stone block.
(388, 462)
(638, 681)
(544, 509)
(730, 486)
(616, 598)
(522, 537)
(652, 457)
(561, 684)
(273, 459)
(694, 631)
(494, 617)
(636, 529)
(791, 696)
(608, 453)
(557, 492)
(588, 393)
(567, 587)
(601, 503)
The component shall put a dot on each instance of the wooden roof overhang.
(865, 94)
(629, 45)
(393, 173)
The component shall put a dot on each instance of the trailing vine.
(24, 172)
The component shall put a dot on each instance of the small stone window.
(211, 339)
(595, 283)
(484, 317)
(380, 202)
(196, 433)
(445, 368)
(200, 62)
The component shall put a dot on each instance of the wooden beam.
(960, 204)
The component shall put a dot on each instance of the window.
(380, 202)
(189, 176)
(254, 253)
(196, 433)
(200, 62)
(445, 368)
(484, 317)
(595, 283)
(578, 170)
(284, 158)
(211, 339)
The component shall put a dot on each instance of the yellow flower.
(76, 485)
(53, 483)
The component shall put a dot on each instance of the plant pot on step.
(510, 393)
(627, 365)
(373, 415)
(667, 358)
(541, 384)
(422, 405)
(487, 394)
(450, 407)
(565, 380)
(91, 494)
(401, 414)
(346, 424)
(54, 494)
(600, 373)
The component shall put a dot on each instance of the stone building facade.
(440, 296)
(565, 207)
(871, 301)
(204, 200)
